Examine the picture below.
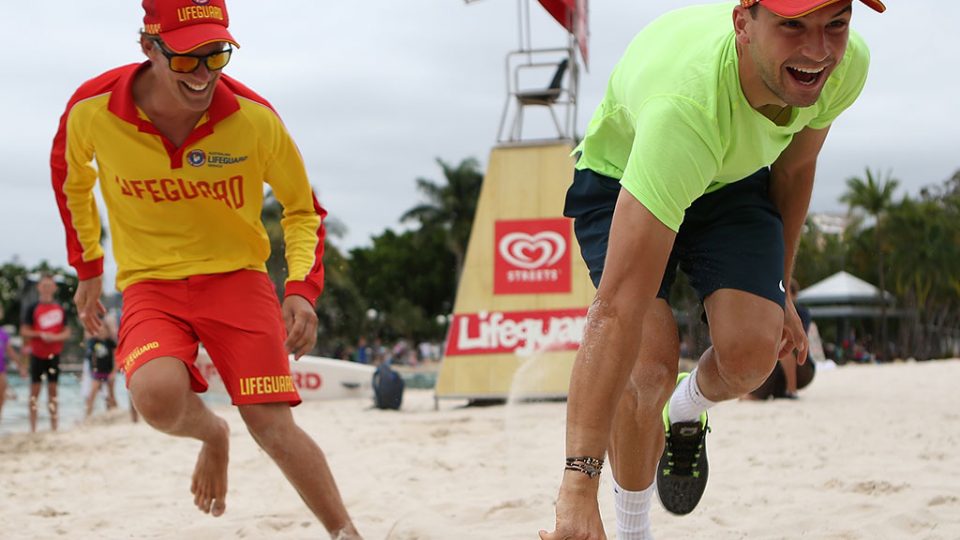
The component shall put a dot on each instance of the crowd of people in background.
(44, 330)
(402, 352)
(852, 349)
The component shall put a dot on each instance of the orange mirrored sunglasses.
(188, 63)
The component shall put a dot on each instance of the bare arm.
(26, 332)
(791, 185)
(60, 336)
(636, 257)
(13, 355)
(21, 360)
(637, 254)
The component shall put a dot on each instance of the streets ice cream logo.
(197, 158)
(532, 251)
(201, 2)
(532, 256)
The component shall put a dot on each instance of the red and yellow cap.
(184, 25)
(792, 9)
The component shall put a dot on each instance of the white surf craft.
(315, 377)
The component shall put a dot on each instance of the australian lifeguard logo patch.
(532, 256)
(197, 158)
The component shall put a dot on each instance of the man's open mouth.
(806, 76)
(195, 88)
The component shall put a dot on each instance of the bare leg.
(32, 405)
(789, 365)
(160, 390)
(637, 437)
(94, 389)
(111, 395)
(302, 462)
(745, 330)
(134, 415)
(3, 392)
(53, 405)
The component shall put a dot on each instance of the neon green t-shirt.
(674, 123)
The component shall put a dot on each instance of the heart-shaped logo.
(531, 251)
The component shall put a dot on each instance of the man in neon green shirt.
(701, 155)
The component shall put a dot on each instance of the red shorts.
(235, 315)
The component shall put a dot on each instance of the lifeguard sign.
(523, 296)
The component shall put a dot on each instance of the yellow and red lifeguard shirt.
(178, 212)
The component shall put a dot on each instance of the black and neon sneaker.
(682, 472)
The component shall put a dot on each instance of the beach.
(868, 452)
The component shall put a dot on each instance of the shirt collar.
(224, 101)
(223, 104)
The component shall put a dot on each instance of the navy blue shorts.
(731, 238)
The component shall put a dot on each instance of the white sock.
(687, 402)
(633, 512)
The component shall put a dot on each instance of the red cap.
(184, 25)
(791, 9)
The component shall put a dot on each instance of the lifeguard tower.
(522, 298)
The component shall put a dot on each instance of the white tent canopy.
(842, 288)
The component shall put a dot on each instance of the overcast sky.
(374, 91)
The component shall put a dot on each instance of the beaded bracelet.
(587, 465)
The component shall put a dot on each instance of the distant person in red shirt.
(45, 325)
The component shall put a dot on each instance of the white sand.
(869, 452)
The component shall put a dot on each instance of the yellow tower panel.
(522, 299)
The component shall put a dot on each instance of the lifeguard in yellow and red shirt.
(182, 153)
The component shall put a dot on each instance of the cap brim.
(876, 5)
(188, 38)
(792, 9)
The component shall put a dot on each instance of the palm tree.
(920, 269)
(451, 206)
(875, 197)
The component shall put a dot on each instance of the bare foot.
(209, 485)
(347, 533)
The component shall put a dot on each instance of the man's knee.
(747, 361)
(650, 385)
(268, 423)
(159, 391)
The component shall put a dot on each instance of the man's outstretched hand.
(89, 307)
(301, 322)
(793, 335)
(578, 514)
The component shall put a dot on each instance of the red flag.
(572, 15)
